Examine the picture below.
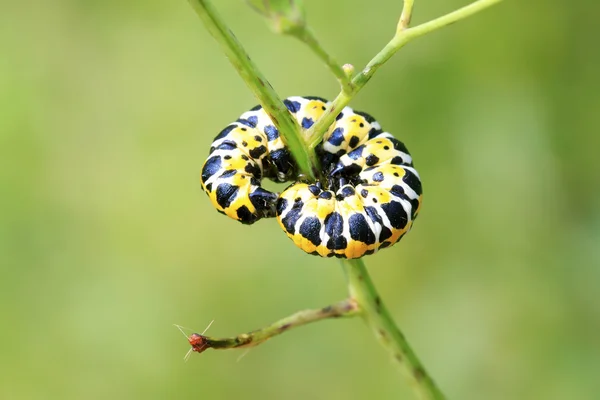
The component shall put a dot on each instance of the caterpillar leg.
(264, 202)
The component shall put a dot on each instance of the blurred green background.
(107, 110)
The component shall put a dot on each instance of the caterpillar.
(368, 197)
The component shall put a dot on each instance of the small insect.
(196, 340)
(368, 197)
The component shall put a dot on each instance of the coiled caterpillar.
(369, 197)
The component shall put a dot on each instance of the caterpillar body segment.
(279, 160)
(372, 197)
(350, 130)
(374, 213)
(307, 110)
(244, 153)
(247, 151)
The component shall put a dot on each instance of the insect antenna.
(188, 354)
(181, 328)
(242, 355)
(211, 322)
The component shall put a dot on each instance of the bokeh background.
(107, 110)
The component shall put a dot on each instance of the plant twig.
(345, 308)
(400, 39)
(307, 36)
(258, 84)
(405, 16)
(289, 18)
(372, 309)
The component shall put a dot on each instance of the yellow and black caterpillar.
(368, 199)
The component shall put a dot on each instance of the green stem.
(345, 308)
(400, 39)
(363, 291)
(406, 15)
(307, 36)
(258, 84)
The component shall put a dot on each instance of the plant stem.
(307, 36)
(345, 308)
(373, 311)
(400, 39)
(406, 15)
(258, 84)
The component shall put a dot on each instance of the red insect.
(196, 340)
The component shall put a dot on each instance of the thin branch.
(406, 15)
(345, 308)
(286, 124)
(381, 323)
(400, 39)
(307, 36)
(448, 19)
(289, 18)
